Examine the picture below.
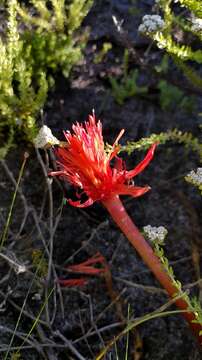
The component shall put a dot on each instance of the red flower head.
(85, 163)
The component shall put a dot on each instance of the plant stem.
(123, 220)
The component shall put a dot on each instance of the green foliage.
(187, 139)
(6, 144)
(32, 49)
(39, 262)
(189, 73)
(127, 86)
(101, 54)
(171, 97)
(174, 24)
(159, 251)
(53, 44)
(164, 65)
(193, 303)
(16, 356)
(77, 11)
(193, 5)
(184, 52)
(19, 100)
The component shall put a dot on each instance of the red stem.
(123, 220)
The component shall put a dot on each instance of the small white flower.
(20, 269)
(36, 297)
(196, 24)
(45, 137)
(151, 23)
(195, 177)
(155, 233)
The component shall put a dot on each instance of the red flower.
(85, 163)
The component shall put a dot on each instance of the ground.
(78, 322)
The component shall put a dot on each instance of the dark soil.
(81, 233)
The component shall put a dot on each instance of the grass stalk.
(5, 232)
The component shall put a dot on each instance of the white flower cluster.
(195, 177)
(45, 138)
(155, 233)
(196, 24)
(151, 23)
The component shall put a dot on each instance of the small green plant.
(102, 53)
(127, 86)
(171, 97)
(164, 30)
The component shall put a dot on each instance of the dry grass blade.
(5, 232)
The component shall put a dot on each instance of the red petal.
(119, 164)
(78, 203)
(142, 165)
(73, 282)
(97, 258)
(134, 191)
(87, 270)
(87, 266)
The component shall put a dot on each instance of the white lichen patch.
(45, 138)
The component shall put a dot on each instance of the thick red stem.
(123, 220)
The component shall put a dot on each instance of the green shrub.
(53, 43)
(38, 41)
